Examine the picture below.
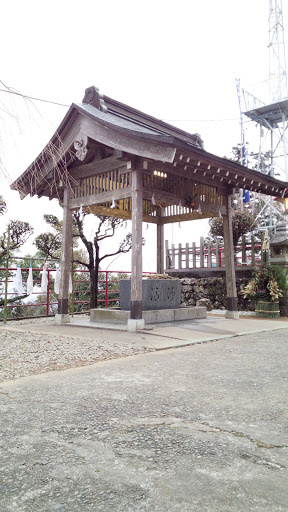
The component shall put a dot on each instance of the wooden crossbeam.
(119, 214)
(96, 167)
(194, 174)
(161, 196)
(103, 197)
(208, 210)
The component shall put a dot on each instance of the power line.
(199, 120)
(166, 120)
(33, 98)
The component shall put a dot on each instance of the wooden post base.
(232, 310)
(63, 307)
(233, 315)
(136, 309)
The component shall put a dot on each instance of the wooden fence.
(211, 256)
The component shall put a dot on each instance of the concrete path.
(171, 334)
(197, 428)
(209, 329)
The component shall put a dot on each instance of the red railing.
(107, 286)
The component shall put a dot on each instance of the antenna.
(272, 116)
(277, 62)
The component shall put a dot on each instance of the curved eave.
(42, 165)
(122, 125)
(140, 137)
(230, 173)
(103, 128)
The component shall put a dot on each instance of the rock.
(204, 302)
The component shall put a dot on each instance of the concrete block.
(117, 316)
(190, 313)
(61, 319)
(109, 315)
(135, 324)
(159, 315)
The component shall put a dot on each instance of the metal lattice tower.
(272, 116)
(277, 63)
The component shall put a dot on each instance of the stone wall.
(211, 292)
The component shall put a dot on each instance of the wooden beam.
(107, 211)
(160, 248)
(152, 219)
(63, 312)
(161, 196)
(136, 266)
(103, 197)
(208, 210)
(118, 214)
(195, 177)
(96, 167)
(184, 217)
(229, 263)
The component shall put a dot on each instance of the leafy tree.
(19, 233)
(242, 223)
(49, 245)
(255, 161)
(259, 213)
(106, 229)
(3, 206)
(262, 207)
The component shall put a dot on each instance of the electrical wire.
(199, 120)
(33, 98)
(166, 120)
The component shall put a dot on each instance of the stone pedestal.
(116, 316)
(156, 294)
(279, 243)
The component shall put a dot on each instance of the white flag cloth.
(57, 281)
(30, 282)
(44, 280)
(17, 282)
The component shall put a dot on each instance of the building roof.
(118, 127)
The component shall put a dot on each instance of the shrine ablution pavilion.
(105, 154)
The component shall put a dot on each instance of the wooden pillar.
(63, 315)
(136, 267)
(229, 263)
(160, 248)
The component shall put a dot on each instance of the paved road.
(197, 428)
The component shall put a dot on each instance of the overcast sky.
(174, 60)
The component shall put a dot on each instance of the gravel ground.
(24, 353)
(202, 428)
